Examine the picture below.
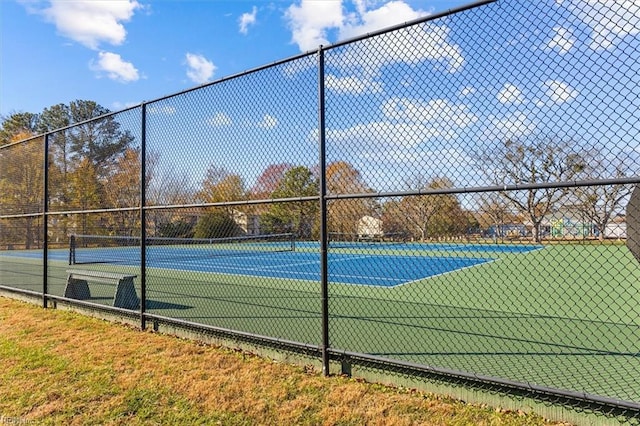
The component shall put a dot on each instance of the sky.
(120, 53)
(427, 100)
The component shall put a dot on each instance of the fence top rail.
(33, 138)
(410, 23)
(494, 188)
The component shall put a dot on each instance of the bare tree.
(598, 203)
(432, 215)
(534, 160)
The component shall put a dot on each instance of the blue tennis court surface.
(345, 268)
(375, 270)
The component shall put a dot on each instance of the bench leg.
(126, 296)
(77, 289)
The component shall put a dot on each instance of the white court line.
(491, 260)
(230, 268)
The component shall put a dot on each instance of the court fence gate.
(450, 200)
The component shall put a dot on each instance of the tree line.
(95, 164)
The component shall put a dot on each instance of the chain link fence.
(450, 196)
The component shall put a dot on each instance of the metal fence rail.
(459, 190)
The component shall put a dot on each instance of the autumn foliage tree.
(86, 192)
(343, 215)
(18, 126)
(432, 215)
(219, 186)
(21, 189)
(269, 180)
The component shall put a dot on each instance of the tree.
(343, 215)
(269, 180)
(19, 124)
(21, 185)
(393, 222)
(86, 192)
(534, 160)
(53, 118)
(167, 187)
(216, 224)
(177, 229)
(220, 185)
(432, 215)
(101, 140)
(597, 203)
(294, 216)
(494, 212)
(122, 189)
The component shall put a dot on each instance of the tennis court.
(561, 315)
(355, 263)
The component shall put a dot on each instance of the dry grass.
(63, 368)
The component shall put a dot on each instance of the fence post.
(45, 219)
(143, 219)
(324, 279)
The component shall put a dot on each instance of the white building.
(370, 227)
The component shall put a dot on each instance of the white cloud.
(248, 19)
(115, 67)
(467, 91)
(510, 126)
(563, 40)
(352, 84)
(510, 94)
(117, 105)
(559, 92)
(432, 161)
(162, 109)
(610, 20)
(383, 135)
(91, 22)
(367, 21)
(428, 42)
(268, 122)
(440, 114)
(220, 119)
(310, 20)
(200, 69)
(407, 124)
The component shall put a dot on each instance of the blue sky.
(420, 100)
(122, 52)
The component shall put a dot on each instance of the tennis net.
(351, 240)
(85, 249)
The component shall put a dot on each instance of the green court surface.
(566, 316)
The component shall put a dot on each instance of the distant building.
(249, 223)
(507, 230)
(370, 227)
(617, 228)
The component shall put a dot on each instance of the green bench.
(125, 294)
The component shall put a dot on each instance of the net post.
(72, 250)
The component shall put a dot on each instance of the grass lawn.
(64, 368)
